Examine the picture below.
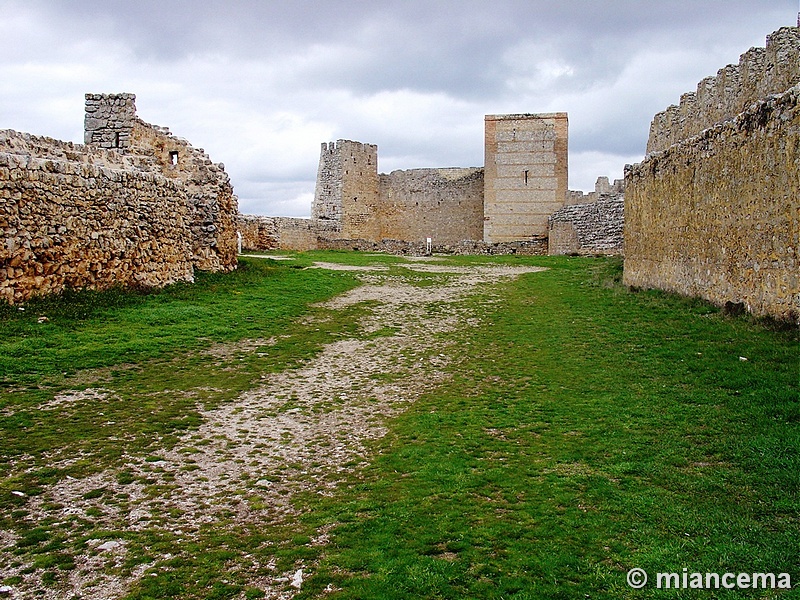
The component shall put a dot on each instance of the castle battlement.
(761, 72)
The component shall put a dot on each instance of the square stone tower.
(347, 188)
(526, 174)
(109, 120)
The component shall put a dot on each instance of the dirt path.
(302, 430)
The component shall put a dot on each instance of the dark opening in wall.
(116, 139)
(525, 176)
(173, 157)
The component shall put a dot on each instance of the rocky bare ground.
(302, 430)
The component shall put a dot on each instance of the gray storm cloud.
(260, 84)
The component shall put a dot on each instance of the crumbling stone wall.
(258, 233)
(445, 205)
(716, 215)
(285, 233)
(111, 122)
(209, 194)
(134, 206)
(92, 219)
(761, 72)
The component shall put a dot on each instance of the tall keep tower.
(109, 120)
(526, 174)
(347, 188)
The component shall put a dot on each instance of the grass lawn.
(584, 430)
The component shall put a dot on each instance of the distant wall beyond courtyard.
(523, 181)
(445, 205)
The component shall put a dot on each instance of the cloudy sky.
(260, 84)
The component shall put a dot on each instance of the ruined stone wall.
(134, 206)
(531, 247)
(304, 234)
(76, 217)
(258, 233)
(526, 174)
(209, 193)
(592, 228)
(716, 215)
(761, 72)
(443, 204)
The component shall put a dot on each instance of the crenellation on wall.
(602, 187)
(761, 72)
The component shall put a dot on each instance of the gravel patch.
(304, 429)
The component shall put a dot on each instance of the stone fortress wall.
(713, 209)
(133, 206)
(445, 205)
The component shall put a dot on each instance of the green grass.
(590, 431)
(586, 430)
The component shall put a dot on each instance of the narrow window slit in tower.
(525, 176)
(173, 157)
(116, 139)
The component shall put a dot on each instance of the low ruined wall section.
(532, 247)
(74, 224)
(593, 228)
(716, 216)
(258, 233)
(284, 233)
